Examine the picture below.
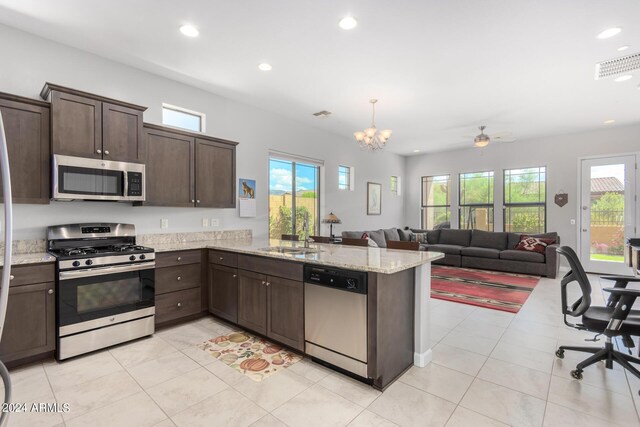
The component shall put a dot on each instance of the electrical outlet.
(205, 222)
(215, 222)
(573, 221)
(164, 223)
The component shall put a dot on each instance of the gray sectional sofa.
(477, 249)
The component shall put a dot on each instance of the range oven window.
(77, 180)
(105, 295)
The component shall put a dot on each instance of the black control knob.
(132, 257)
(76, 263)
(142, 256)
(351, 284)
(89, 262)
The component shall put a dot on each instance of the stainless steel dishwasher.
(335, 307)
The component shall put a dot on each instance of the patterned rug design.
(490, 289)
(253, 356)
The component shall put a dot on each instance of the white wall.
(558, 153)
(29, 61)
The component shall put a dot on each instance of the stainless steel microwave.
(79, 178)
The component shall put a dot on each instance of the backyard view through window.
(476, 201)
(293, 188)
(436, 201)
(607, 213)
(525, 200)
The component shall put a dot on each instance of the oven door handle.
(101, 271)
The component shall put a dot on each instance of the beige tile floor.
(489, 369)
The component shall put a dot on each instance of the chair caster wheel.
(560, 354)
(576, 374)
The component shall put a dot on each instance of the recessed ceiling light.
(621, 48)
(416, 151)
(623, 78)
(608, 122)
(189, 30)
(348, 23)
(609, 32)
(265, 67)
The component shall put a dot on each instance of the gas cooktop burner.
(126, 248)
(73, 253)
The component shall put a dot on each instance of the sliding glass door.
(294, 190)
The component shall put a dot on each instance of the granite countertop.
(29, 258)
(377, 260)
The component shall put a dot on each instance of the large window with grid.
(436, 201)
(476, 201)
(525, 195)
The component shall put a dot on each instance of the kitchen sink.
(291, 250)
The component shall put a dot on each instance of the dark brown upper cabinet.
(26, 126)
(188, 169)
(88, 125)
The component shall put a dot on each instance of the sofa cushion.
(433, 236)
(405, 235)
(480, 252)
(489, 239)
(454, 237)
(378, 237)
(391, 234)
(514, 238)
(445, 249)
(515, 255)
(353, 234)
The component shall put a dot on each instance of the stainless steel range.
(105, 286)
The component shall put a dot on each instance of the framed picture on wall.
(374, 198)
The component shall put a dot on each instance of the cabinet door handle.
(98, 151)
(179, 258)
(179, 278)
(197, 201)
(50, 291)
(221, 258)
(235, 275)
(264, 283)
(11, 277)
(268, 283)
(193, 201)
(106, 152)
(179, 304)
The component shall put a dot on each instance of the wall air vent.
(622, 65)
(322, 114)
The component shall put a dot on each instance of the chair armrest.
(623, 292)
(621, 279)
(621, 282)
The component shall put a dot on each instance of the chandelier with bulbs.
(371, 138)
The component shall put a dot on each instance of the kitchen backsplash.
(196, 236)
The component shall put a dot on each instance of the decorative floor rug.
(253, 356)
(490, 289)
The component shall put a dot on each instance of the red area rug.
(490, 289)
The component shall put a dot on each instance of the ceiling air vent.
(613, 67)
(322, 114)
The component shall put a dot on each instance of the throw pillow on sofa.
(534, 244)
(405, 235)
(419, 237)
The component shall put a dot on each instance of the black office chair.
(615, 319)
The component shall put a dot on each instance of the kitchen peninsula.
(260, 284)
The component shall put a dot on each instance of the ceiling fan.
(482, 140)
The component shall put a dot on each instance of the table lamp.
(331, 219)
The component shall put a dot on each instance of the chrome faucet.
(305, 228)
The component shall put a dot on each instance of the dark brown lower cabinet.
(223, 292)
(176, 305)
(285, 311)
(29, 328)
(252, 301)
(272, 306)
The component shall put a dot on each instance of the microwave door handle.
(101, 271)
(126, 184)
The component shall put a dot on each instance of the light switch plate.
(205, 222)
(215, 222)
(164, 223)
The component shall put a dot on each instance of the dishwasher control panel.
(346, 280)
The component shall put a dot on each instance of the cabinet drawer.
(223, 258)
(168, 259)
(30, 274)
(179, 277)
(176, 305)
(271, 267)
